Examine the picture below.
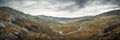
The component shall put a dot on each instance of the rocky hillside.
(15, 25)
(106, 26)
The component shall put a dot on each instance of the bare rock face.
(2, 26)
(9, 36)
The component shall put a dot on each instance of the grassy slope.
(94, 28)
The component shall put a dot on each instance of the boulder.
(2, 26)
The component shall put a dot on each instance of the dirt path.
(61, 32)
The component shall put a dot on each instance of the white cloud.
(56, 7)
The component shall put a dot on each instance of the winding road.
(61, 32)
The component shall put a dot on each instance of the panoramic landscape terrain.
(65, 20)
(15, 25)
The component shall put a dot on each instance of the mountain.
(105, 26)
(53, 18)
(15, 25)
(64, 20)
(113, 12)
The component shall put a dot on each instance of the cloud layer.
(62, 8)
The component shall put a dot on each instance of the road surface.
(61, 32)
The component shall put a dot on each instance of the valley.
(15, 25)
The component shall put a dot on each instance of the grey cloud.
(78, 2)
(54, 5)
(2, 2)
(116, 2)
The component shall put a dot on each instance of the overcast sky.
(62, 8)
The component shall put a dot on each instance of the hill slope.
(15, 25)
(105, 26)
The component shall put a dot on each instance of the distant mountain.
(53, 18)
(64, 20)
(79, 19)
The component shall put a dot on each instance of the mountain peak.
(4, 7)
(113, 12)
(9, 10)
